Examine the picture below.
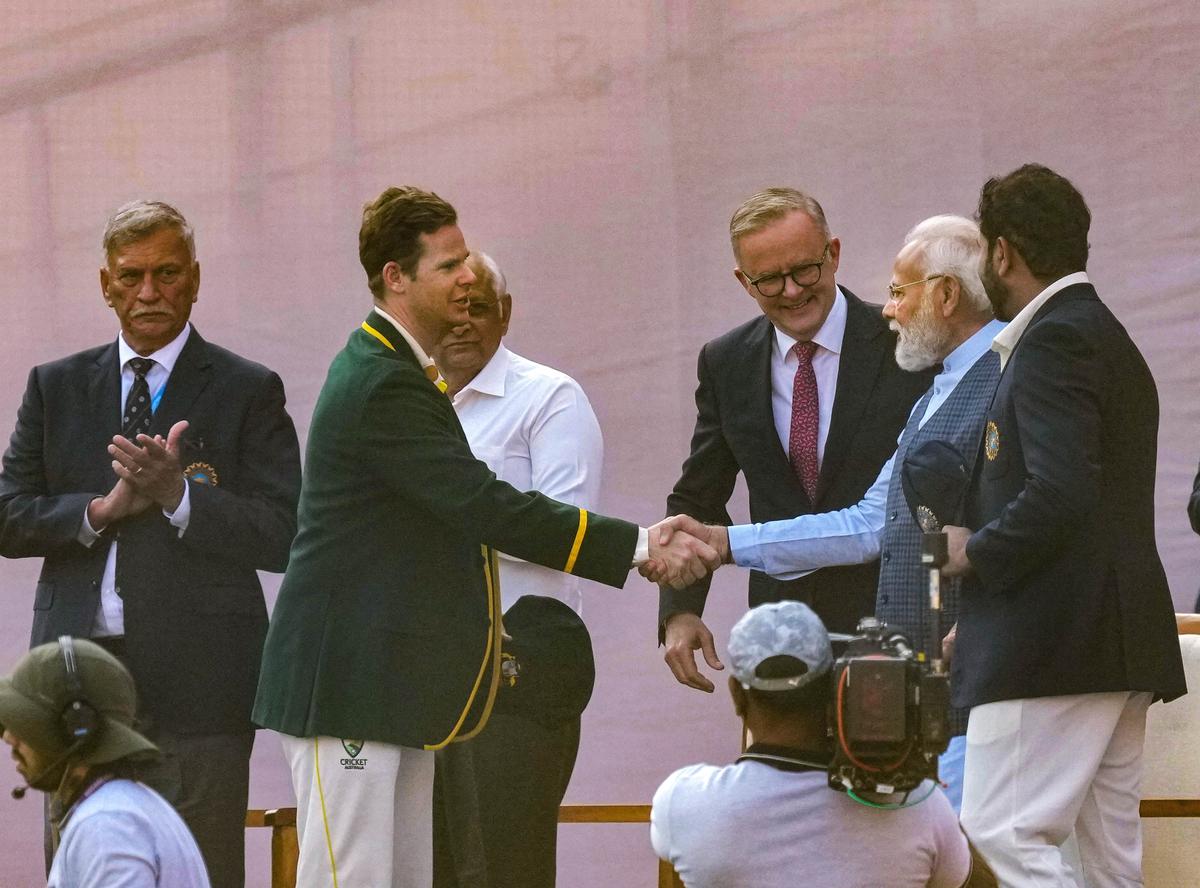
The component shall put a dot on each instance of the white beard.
(923, 341)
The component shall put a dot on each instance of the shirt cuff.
(183, 512)
(742, 548)
(641, 554)
(87, 534)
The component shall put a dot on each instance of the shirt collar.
(490, 380)
(968, 352)
(422, 357)
(165, 357)
(831, 334)
(1008, 338)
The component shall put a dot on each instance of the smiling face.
(151, 284)
(434, 299)
(784, 245)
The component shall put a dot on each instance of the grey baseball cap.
(780, 629)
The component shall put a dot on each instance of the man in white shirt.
(771, 820)
(535, 429)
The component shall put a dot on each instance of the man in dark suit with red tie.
(155, 475)
(805, 401)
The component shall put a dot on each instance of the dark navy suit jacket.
(195, 618)
(1068, 594)
(735, 432)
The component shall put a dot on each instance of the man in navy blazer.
(807, 439)
(1066, 629)
(155, 475)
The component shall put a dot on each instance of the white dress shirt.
(796, 546)
(535, 429)
(1008, 338)
(825, 368)
(110, 615)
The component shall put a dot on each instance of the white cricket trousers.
(1039, 768)
(364, 813)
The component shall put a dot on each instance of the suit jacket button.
(887, 556)
(883, 599)
(892, 517)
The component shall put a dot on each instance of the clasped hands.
(149, 472)
(683, 551)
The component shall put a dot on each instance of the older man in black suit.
(155, 475)
(1066, 631)
(806, 401)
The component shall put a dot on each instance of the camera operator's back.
(778, 825)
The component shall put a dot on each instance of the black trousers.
(206, 778)
(496, 801)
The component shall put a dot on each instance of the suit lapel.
(863, 348)
(190, 376)
(104, 394)
(1062, 297)
(760, 346)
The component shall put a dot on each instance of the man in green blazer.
(384, 643)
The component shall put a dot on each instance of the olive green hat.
(34, 695)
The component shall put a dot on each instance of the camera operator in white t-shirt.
(770, 820)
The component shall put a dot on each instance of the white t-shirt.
(125, 834)
(751, 825)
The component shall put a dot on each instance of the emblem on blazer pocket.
(991, 441)
(201, 473)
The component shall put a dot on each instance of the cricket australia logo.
(353, 748)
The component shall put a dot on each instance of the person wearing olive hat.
(67, 711)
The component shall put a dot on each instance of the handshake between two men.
(683, 551)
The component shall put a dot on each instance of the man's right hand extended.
(685, 634)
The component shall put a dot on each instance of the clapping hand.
(151, 466)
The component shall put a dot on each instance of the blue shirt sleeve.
(793, 547)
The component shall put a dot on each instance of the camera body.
(888, 713)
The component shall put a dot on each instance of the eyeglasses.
(771, 285)
(894, 294)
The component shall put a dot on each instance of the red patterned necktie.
(806, 420)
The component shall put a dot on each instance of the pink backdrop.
(597, 150)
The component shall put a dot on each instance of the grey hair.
(141, 218)
(953, 246)
(770, 205)
(499, 284)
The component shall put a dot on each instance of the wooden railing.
(285, 850)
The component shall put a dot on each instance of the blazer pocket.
(43, 597)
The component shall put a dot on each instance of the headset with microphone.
(78, 722)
